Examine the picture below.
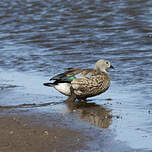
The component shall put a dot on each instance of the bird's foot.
(83, 100)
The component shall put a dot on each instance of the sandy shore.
(28, 133)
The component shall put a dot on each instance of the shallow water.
(44, 37)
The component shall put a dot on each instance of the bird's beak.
(112, 67)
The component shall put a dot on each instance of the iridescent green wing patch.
(72, 78)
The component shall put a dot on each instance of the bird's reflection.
(92, 113)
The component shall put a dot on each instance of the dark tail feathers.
(48, 84)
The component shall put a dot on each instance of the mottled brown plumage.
(91, 86)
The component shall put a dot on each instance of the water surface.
(44, 37)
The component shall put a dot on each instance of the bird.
(77, 83)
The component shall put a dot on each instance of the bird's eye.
(107, 63)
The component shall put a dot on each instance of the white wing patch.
(64, 88)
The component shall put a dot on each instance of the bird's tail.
(48, 84)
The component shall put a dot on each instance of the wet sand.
(20, 133)
(24, 127)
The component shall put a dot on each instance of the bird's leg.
(72, 97)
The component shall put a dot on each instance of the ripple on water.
(44, 37)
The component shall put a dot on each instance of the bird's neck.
(100, 70)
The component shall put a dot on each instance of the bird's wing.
(71, 74)
(89, 85)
